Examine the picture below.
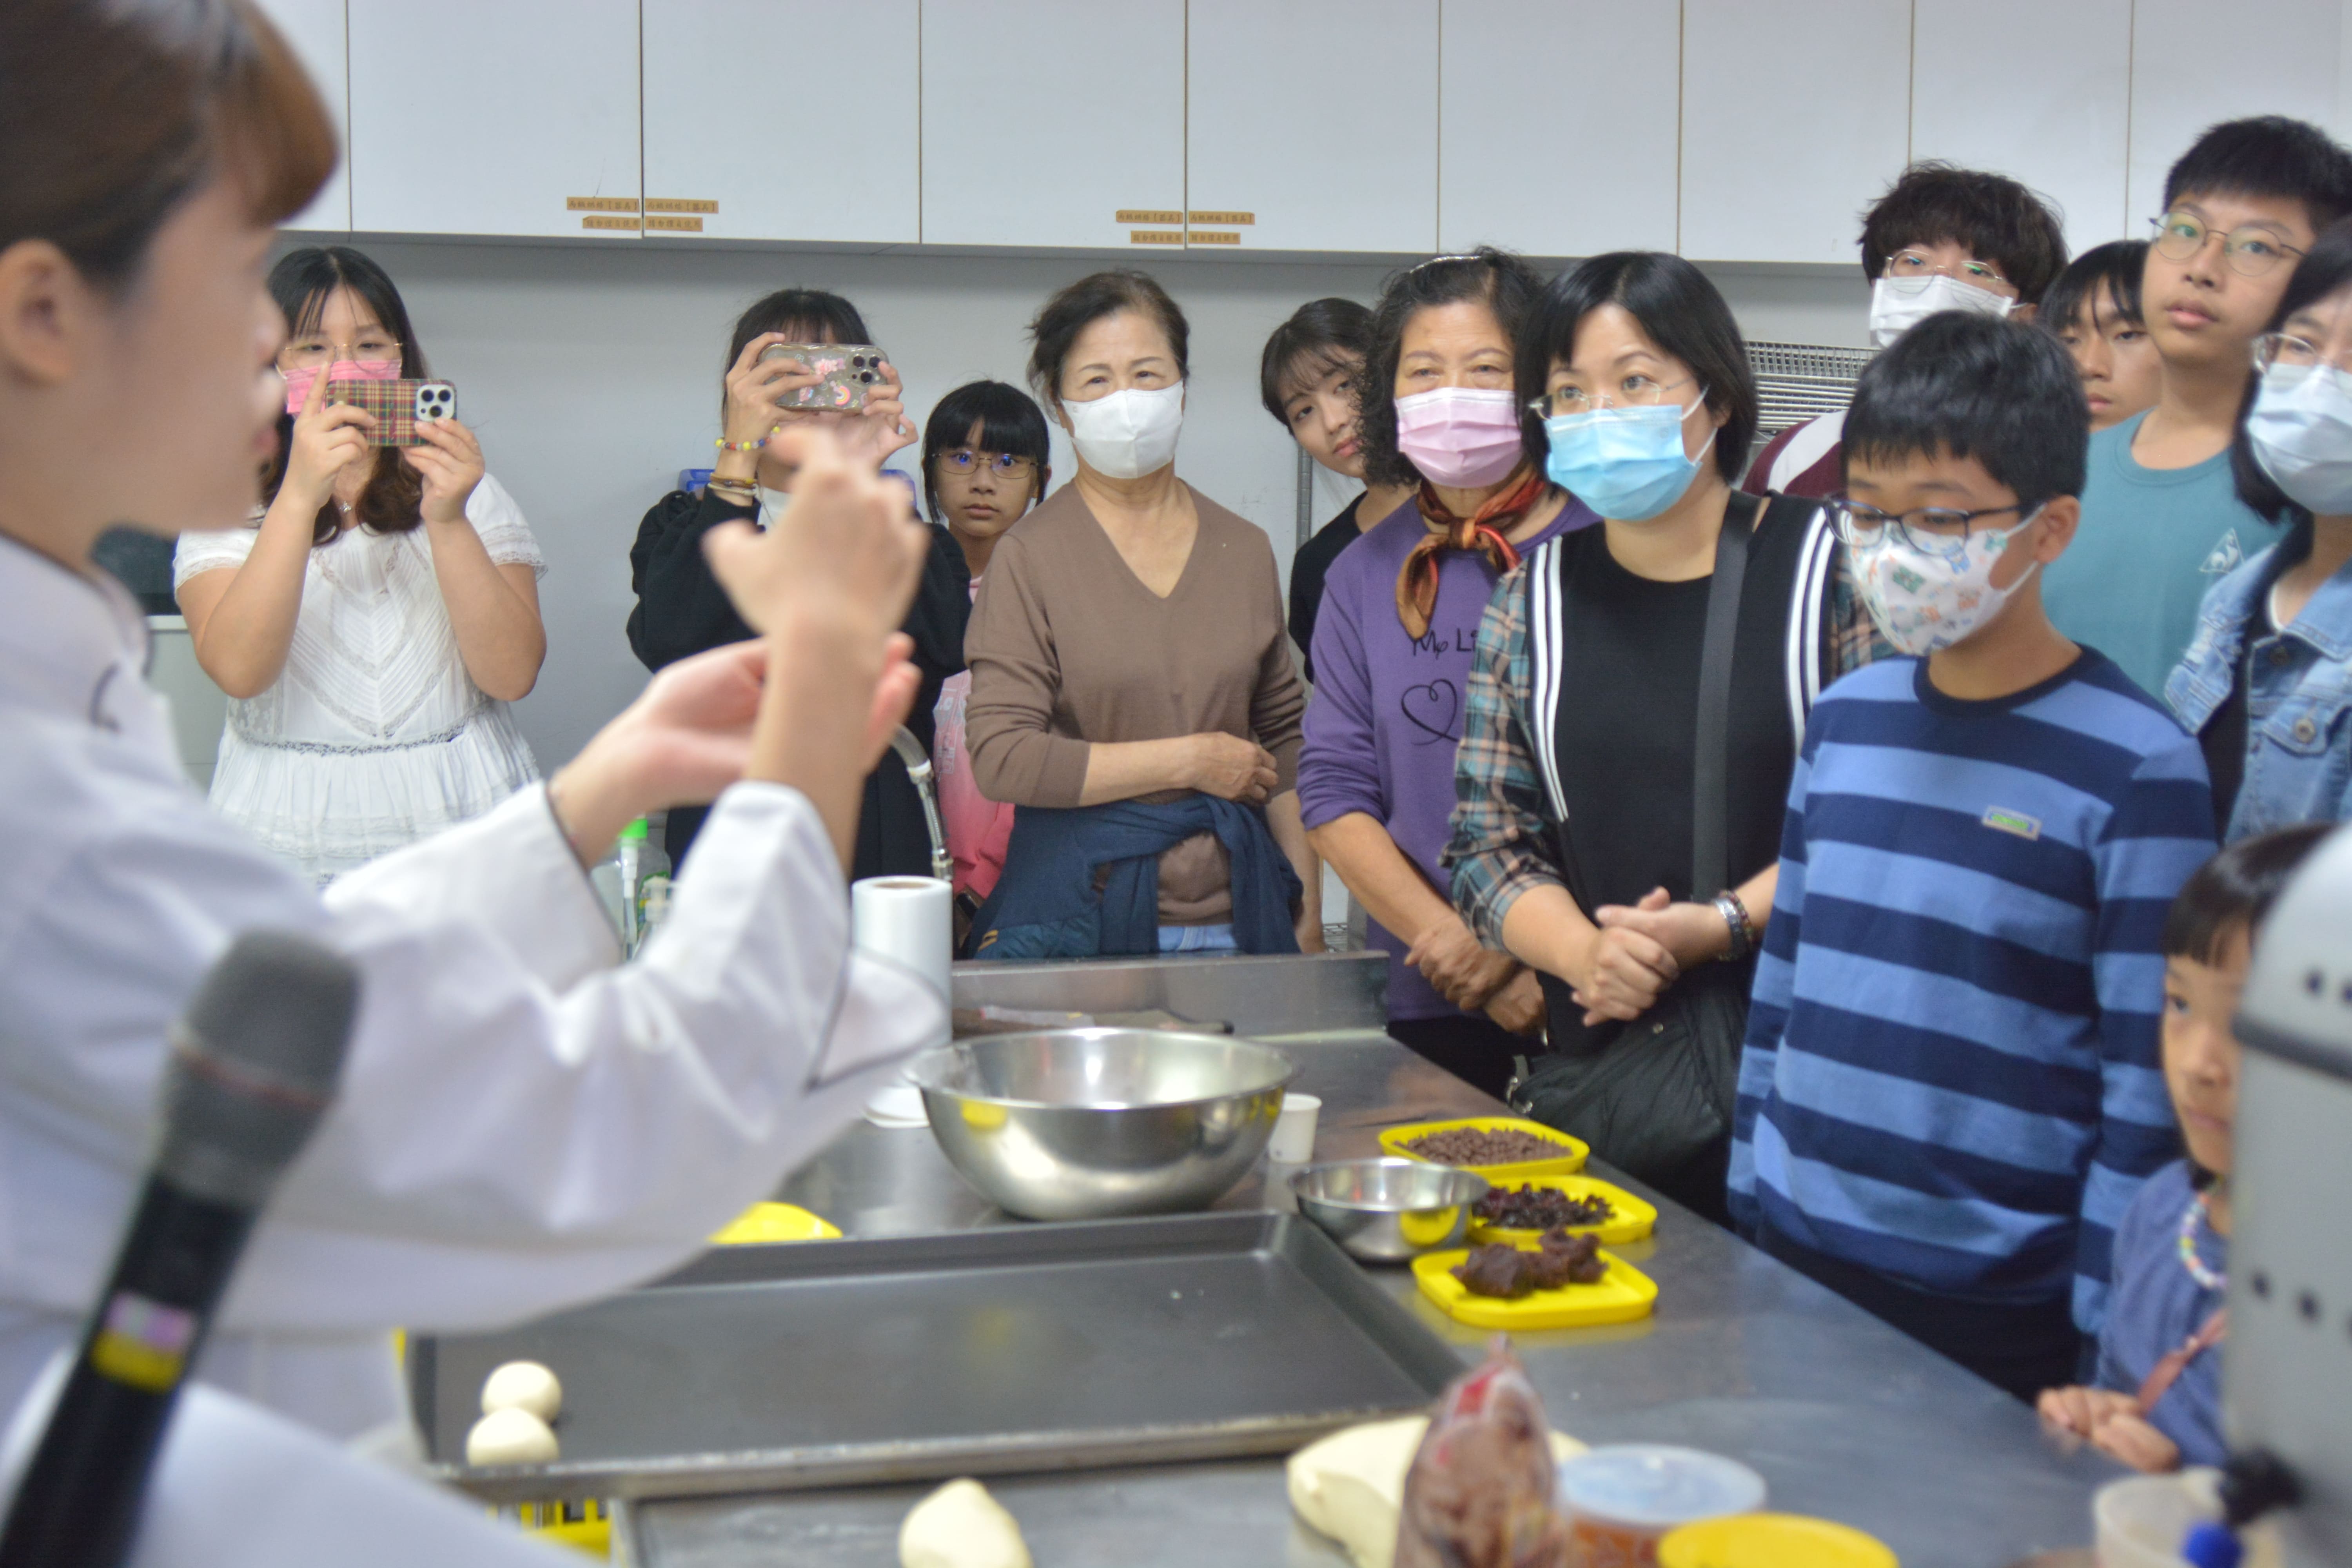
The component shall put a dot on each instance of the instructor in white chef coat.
(522, 1124)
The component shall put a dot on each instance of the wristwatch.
(1743, 932)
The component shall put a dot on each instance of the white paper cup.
(1292, 1142)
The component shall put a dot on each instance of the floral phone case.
(399, 406)
(847, 372)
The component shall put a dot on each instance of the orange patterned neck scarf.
(1483, 531)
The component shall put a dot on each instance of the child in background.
(2157, 1402)
(2094, 310)
(2161, 517)
(1307, 378)
(1949, 1091)
(984, 465)
(1941, 238)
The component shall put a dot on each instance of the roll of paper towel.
(909, 921)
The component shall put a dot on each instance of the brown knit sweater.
(1067, 647)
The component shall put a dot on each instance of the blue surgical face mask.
(1627, 464)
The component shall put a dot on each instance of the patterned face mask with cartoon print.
(1925, 600)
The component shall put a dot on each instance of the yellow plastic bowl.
(1773, 1541)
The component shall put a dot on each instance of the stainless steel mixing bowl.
(1095, 1123)
(1387, 1211)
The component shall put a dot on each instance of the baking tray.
(1036, 1347)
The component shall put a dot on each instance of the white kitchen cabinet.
(1053, 123)
(1312, 124)
(792, 120)
(518, 118)
(2194, 65)
(316, 30)
(2051, 116)
(1795, 116)
(1527, 161)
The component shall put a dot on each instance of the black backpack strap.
(1711, 778)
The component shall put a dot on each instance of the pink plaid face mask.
(299, 382)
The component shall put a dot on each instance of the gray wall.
(592, 374)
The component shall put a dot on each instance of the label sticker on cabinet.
(1146, 214)
(626, 224)
(600, 204)
(1155, 236)
(1215, 237)
(1240, 219)
(680, 205)
(671, 225)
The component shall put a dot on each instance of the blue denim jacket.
(2299, 711)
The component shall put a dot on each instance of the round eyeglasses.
(1633, 392)
(2273, 350)
(2251, 252)
(1939, 531)
(965, 461)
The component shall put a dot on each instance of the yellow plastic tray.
(1622, 1295)
(1629, 1219)
(775, 1222)
(1394, 1140)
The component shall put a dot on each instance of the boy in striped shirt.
(1951, 1088)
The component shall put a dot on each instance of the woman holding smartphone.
(373, 620)
(682, 609)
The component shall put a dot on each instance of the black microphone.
(253, 1065)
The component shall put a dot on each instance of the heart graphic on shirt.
(1431, 709)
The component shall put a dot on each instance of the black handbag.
(1655, 1101)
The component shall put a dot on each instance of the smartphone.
(399, 406)
(846, 373)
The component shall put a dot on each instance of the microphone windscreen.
(254, 1063)
(277, 1006)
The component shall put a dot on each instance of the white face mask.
(1928, 601)
(1128, 434)
(2301, 431)
(1899, 304)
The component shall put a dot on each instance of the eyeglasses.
(1916, 264)
(963, 462)
(2273, 348)
(1634, 392)
(1936, 530)
(2251, 252)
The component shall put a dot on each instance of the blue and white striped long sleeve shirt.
(1952, 1075)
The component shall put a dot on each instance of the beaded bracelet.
(724, 445)
(1743, 930)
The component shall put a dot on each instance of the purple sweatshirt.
(1387, 711)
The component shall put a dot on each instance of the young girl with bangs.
(373, 621)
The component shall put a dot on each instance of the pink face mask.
(1460, 437)
(299, 382)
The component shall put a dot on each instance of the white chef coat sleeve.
(503, 1143)
(511, 869)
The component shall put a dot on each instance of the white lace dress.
(373, 735)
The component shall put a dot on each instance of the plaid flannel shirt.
(1502, 842)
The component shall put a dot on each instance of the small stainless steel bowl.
(1098, 1123)
(1387, 1211)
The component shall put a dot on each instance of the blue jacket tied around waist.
(1046, 905)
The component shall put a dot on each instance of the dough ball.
(510, 1436)
(961, 1526)
(523, 1386)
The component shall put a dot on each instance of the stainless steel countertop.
(1843, 1417)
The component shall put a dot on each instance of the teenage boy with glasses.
(2161, 517)
(1941, 238)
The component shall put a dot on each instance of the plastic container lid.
(1652, 1485)
(634, 830)
(1773, 1541)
